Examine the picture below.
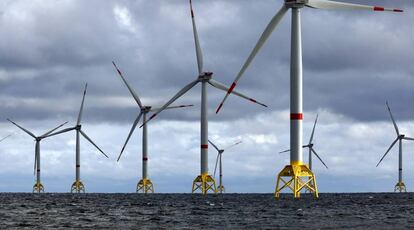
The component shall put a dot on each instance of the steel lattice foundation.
(145, 185)
(38, 188)
(77, 187)
(204, 183)
(299, 177)
(400, 187)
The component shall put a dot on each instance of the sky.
(353, 62)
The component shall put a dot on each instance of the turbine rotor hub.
(401, 136)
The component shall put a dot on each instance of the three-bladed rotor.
(220, 152)
(78, 126)
(143, 109)
(37, 139)
(203, 76)
(399, 137)
(274, 22)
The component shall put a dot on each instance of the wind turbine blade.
(199, 53)
(214, 145)
(47, 133)
(265, 35)
(131, 90)
(231, 146)
(218, 85)
(313, 130)
(25, 130)
(393, 143)
(130, 134)
(285, 151)
(334, 5)
(392, 118)
(61, 131)
(215, 167)
(176, 96)
(2, 139)
(314, 152)
(81, 108)
(409, 138)
(89, 139)
(170, 107)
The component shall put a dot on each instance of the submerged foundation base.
(38, 188)
(145, 186)
(204, 183)
(400, 187)
(296, 178)
(77, 187)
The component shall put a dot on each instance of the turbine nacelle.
(401, 136)
(205, 76)
(146, 109)
(295, 3)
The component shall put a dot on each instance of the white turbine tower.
(203, 182)
(310, 147)
(38, 186)
(145, 184)
(220, 152)
(400, 186)
(296, 172)
(78, 186)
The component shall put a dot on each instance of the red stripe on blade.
(231, 87)
(378, 8)
(398, 10)
(218, 109)
(253, 100)
(204, 146)
(145, 158)
(296, 116)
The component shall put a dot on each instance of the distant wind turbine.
(78, 186)
(38, 186)
(310, 147)
(145, 184)
(295, 176)
(203, 182)
(400, 186)
(220, 152)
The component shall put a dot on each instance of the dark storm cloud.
(353, 61)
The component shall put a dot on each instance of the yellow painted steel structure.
(204, 183)
(296, 178)
(400, 187)
(145, 185)
(77, 187)
(38, 188)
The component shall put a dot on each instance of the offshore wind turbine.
(38, 186)
(145, 184)
(400, 186)
(296, 173)
(203, 182)
(220, 152)
(78, 186)
(310, 148)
